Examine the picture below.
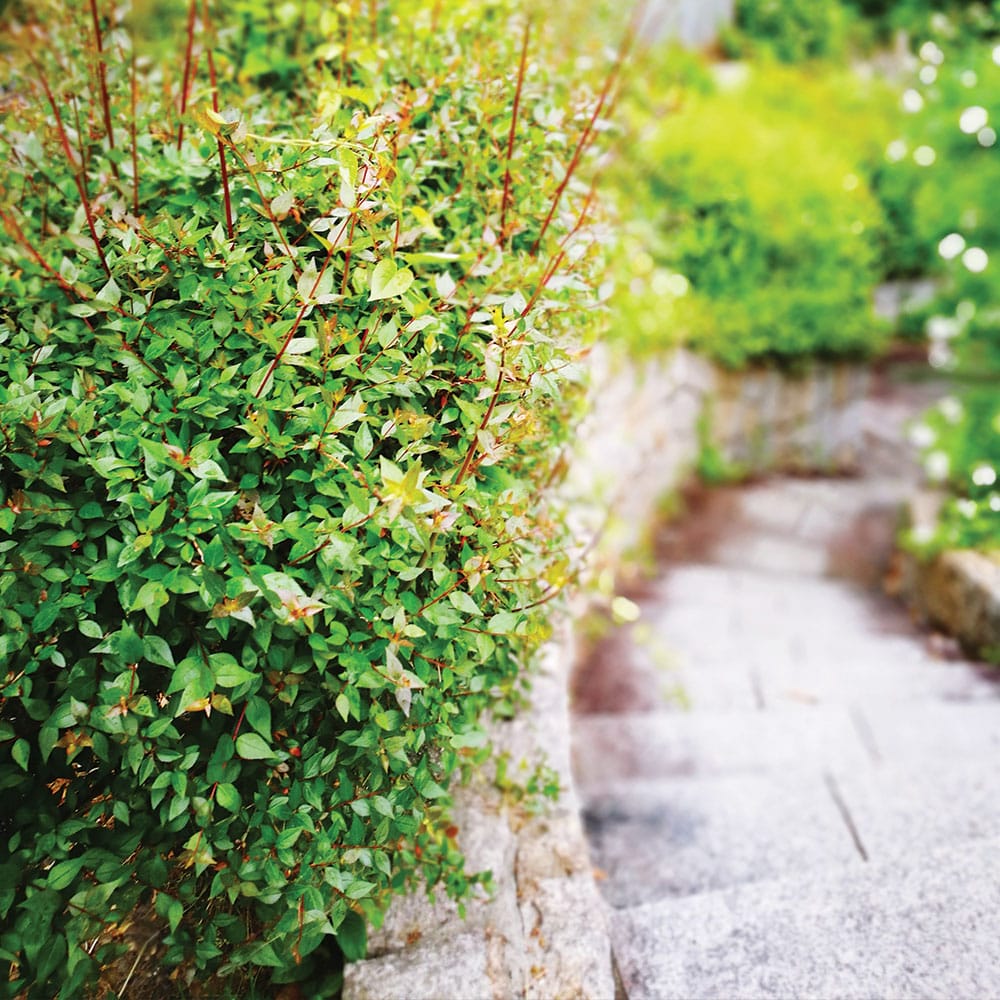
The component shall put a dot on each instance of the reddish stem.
(513, 129)
(188, 65)
(102, 77)
(588, 132)
(291, 333)
(135, 152)
(81, 187)
(223, 166)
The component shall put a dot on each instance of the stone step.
(921, 928)
(677, 836)
(654, 839)
(653, 745)
(609, 747)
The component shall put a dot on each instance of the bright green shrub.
(962, 439)
(274, 447)
(789, 30)
(761, 233)
(937, 179)
(954, 102)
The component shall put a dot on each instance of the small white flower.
(995, 503)
(951, 246)
(967, 508)
(951, 409)
(896, 150)
(912, 101)
(922, 436)
(924, 156)
(976, 259)
(984, 475)
(931, 52)
(942, 328)
(940, 356)
(973, 119)
(936, 465)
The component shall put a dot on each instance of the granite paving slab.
(654, 839)
(900, 807)
(925, 928)
(667, 744)
(935, 730)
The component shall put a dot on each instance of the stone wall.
(958, 590)
(543, 934)
(649, 423)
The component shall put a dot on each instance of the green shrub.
(954, 103)
(279, 403)
(759, 235)
(788, 30)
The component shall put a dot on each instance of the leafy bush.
(759, 235)
(788, 30)
(941, 166)
(947, 156)
(280, 400)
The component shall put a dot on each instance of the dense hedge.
(280, 400)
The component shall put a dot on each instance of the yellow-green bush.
(757, 235)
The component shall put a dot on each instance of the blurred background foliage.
(818, 157)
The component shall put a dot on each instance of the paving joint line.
(845, 814)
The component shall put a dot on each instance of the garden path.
(788, 789)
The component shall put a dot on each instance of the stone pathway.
(789, 791)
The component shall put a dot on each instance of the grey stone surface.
(489, 845)
(692, 22)
(926, 928)
(654, 839)
(567, 941)
(936, 732)
(425, 972)
(657, 745)
(960, 591)
(900, 808)
(824, 737)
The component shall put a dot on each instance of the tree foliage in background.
(286, 294)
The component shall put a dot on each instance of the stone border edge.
(957, 590)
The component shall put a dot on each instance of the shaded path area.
(788, 789)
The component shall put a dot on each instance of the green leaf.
(128, 644)
(387, 282)
(250, 746)
(171, 909)
(259, 716)
(157, 651)
(463, 602)
(227, 797)
(21, 752)
(62, 875)
(352, 937)
(227, 672)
